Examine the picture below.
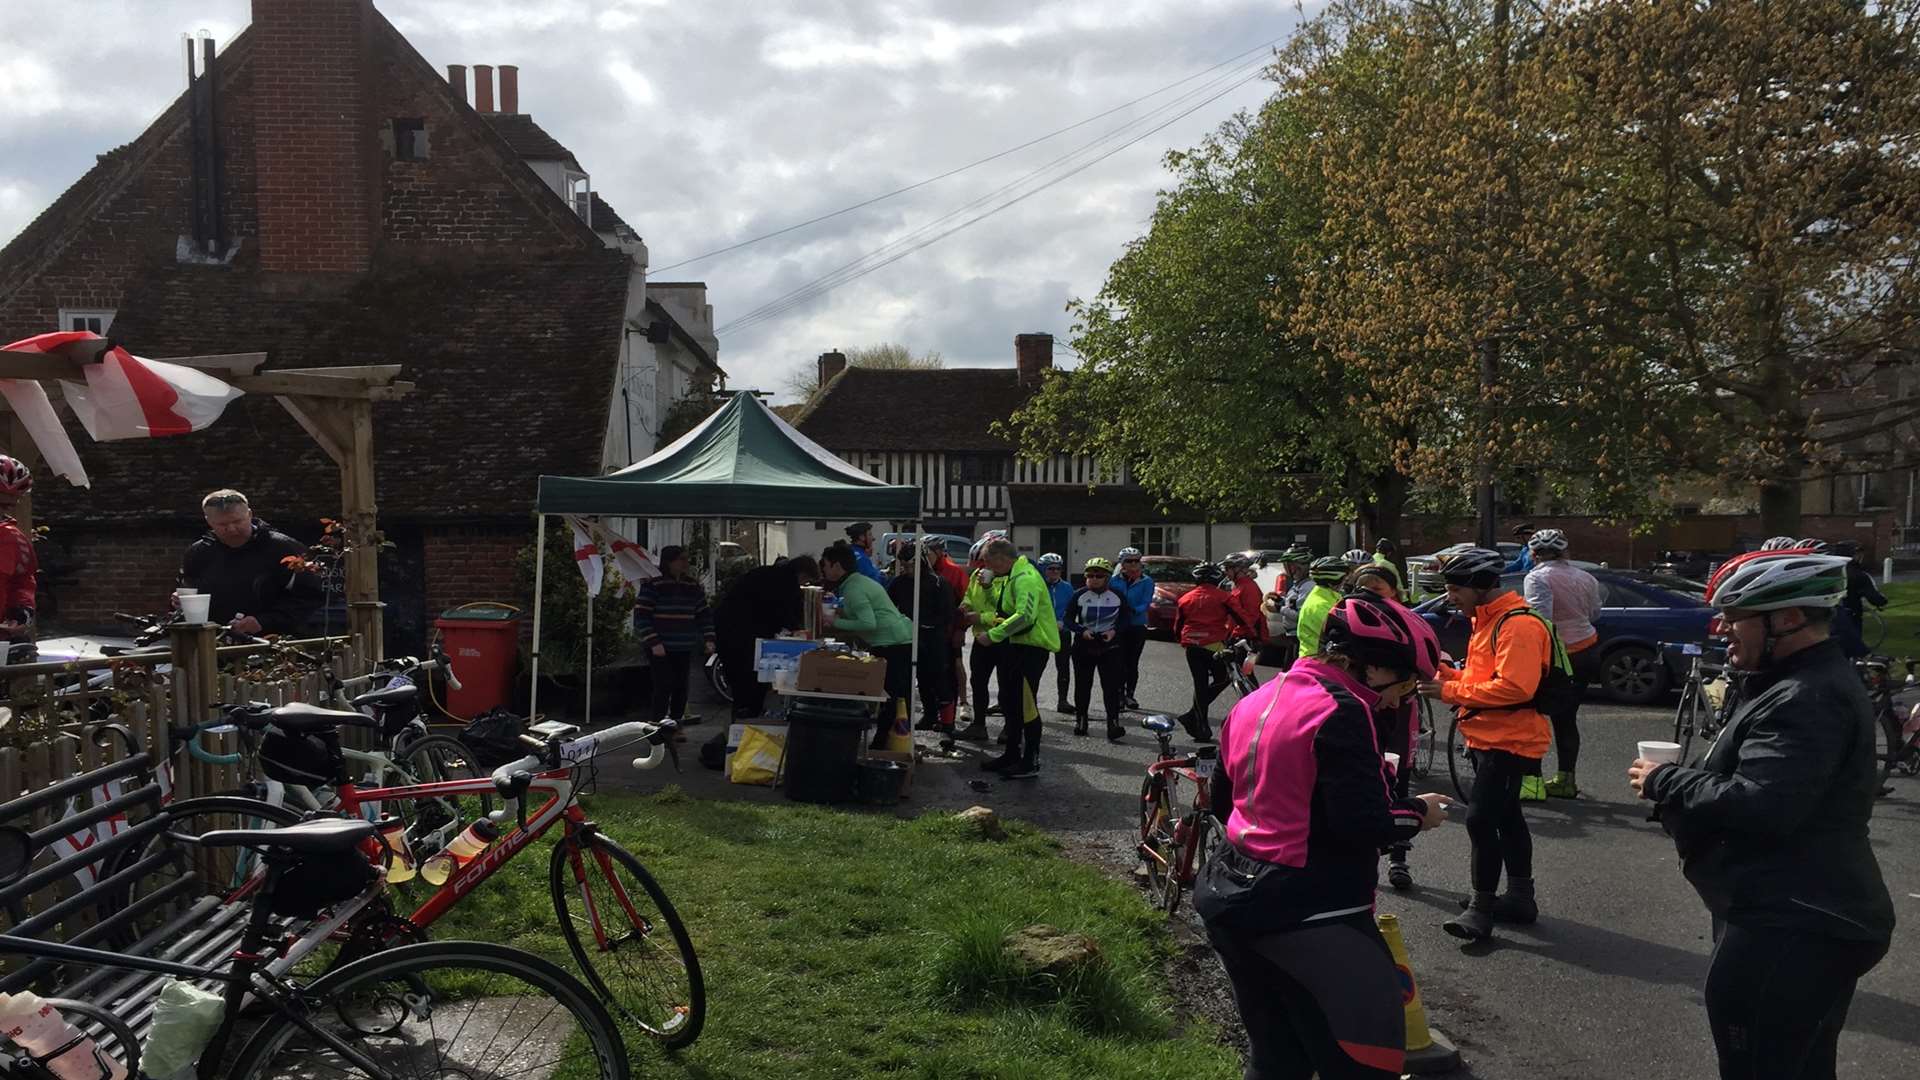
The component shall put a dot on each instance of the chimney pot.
(831, 364)
(457, 78)
(483, 87)
(1033, 355)
(510, 89)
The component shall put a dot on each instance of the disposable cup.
(183, 591)
(194, 609)
(1661, 753)
(1393, 762)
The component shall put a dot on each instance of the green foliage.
(563, 607)
(887, 356)
(829, 944)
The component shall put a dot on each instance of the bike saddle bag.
(318, 882)
(311, 758)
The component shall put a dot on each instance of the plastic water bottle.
(460, 852)
(401, 867)
(39, 1029)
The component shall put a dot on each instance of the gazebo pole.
(590, 598)
(539, 580)
(913, 654)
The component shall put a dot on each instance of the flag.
(30, 403)
(629, 558)
(126, 397)
(587, 557)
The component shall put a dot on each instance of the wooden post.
(195, 671)
(364, 609)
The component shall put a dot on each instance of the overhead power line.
(922, 236)
(970, 165)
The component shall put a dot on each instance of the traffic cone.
(1428, 1051)
(900, 737)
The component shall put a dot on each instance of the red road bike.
(1176, 836)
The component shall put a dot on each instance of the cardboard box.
(904, 757)
(822, 672)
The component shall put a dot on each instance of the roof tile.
(939, 410)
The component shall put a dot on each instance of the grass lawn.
(1903, 620)
(849, 945)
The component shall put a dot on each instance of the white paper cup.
(183, 591)
(193, 609)
(1393, 762)
(1661, 753)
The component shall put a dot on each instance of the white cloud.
(637, 88)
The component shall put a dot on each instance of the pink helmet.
(15, 478)
(1384, 633)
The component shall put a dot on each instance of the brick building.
(323, 195)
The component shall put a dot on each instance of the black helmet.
(1208, 573)
(1328, 570)
(1477, 568)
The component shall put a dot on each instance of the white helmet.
(1780, 543)
(1771, 580)
(1357, 557)
(1548, 540)
(1127, 553)
(1049, 559)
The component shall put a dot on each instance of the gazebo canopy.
(741, 462)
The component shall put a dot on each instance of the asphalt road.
(1606, 985)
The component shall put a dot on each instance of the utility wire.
(970, 165)
(912, 242)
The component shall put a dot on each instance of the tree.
(890, 356)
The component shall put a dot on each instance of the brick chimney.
(510, 89)
(313, 139)
(1033, 354)
(831, 364)
(483, 88)
(457, 78)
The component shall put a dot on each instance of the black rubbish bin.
(823, 749)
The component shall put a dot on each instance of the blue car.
(1639, 611)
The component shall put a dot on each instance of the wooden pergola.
(334, 405)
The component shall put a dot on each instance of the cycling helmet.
(1771, 580)
(1236, 562)
(978, 551)
(1780, 543)
(15, 478)
(1548, 540)
(1050, 559)
(1098, 565)
(1383, 633)
(1813, 544)
(1357, 557)
(1328, 570)
(1390, 574)
(1298, 553)
(1474, 567)
(1127, 553)
(1208, 573)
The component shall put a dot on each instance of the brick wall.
(468, 564)
(1616, 545)
(92, 574)
(313, 143)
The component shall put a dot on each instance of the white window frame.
(1156, 539)
(580, 195)
(105, 315)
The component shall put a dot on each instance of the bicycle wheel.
(1460, 764)
(445, 1009)
(1203, 835)
(224, 872)
(717, 678)
(433, 821)
(1156, 834)
(1686, 718)
(627, 939)
(1426, 742)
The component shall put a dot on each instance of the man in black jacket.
(241, 564)
(1772, 825)
(762, 603)
(938, 606)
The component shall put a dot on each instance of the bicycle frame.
(1184, 834)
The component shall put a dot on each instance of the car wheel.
(1634, 675)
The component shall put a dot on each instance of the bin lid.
(479, 614)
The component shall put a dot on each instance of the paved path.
(1606, 985)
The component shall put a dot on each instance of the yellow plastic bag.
(757, 760)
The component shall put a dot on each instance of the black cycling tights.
(1778, 999)
(1495, 824)
(1320, 1000)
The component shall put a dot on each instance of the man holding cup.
(240, 564)
(1771, 825)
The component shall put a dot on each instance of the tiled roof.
(605, 219)
(944, 409)
(1073, 504)
(513, 366)
(529, 139)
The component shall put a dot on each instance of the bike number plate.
(1691, 649)
(1203, 767)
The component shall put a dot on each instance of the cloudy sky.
(709, 123)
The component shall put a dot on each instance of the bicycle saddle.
(322, 836)
(387, 697)
(1160, 723)
(301, 717)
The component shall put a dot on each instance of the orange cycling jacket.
(1499, 685)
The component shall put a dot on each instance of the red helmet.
(15, 478)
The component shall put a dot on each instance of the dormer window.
(580, 195)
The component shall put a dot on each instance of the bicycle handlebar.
(581, 750)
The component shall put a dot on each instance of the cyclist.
(1861, 589)
(1288, 899)
(982, 601)
(870, 615)
(1252, 623)
(1060, 591)
(954, 700)
(1202, 624)
(1327, 574)
(1094, 617)
(1026, 634)
(937, 606)
(1284, 602)
(1137, 585)
(1771, 825)
(672, 621)
(1570, 598)
(19, 566)
(1505, 733)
